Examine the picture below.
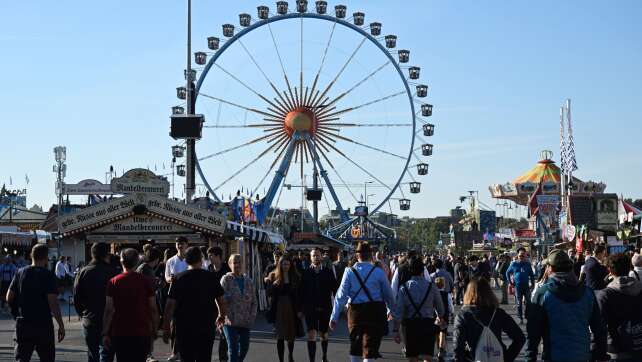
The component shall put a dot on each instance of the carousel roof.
(546, 171)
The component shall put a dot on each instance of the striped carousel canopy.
(545, 171)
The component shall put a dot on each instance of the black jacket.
(90, 289)
(620, 302)
(468, 330)
(317, 289)
(595, 274)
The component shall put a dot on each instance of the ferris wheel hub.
(299, 120)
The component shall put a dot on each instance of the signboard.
(613, 241)
(96, 214)
(547, 204)
(91, 216)
(142, 224)
(189, 214)
(87, 187)
(140, 181)
(606, 212)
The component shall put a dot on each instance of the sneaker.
(151, 359)
(173, 358)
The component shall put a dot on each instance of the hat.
(559, 260)
(363, 247)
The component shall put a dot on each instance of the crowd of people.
(576, 307)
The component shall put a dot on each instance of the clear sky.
(100, 78)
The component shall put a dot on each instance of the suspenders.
(417, 313)
(362, 282)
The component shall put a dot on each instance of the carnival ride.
(549, 175)
(344, 133)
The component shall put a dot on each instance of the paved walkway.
(262, 347)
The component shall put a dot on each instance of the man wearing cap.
(561, 313)
(367, 288)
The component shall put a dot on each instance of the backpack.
(489, 349)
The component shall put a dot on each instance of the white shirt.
(638, 270)
(61, 270)
(174, 266)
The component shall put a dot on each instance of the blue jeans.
(522, 292)
(96, 352)
(238, 342)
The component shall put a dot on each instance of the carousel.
(547, 174)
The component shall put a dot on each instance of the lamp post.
(190, 182)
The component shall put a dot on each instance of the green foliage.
(421, 232)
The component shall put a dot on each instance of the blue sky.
(100, 78)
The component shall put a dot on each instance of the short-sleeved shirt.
(195, 292)
(174, 266)
(32, 285)
(132, 315)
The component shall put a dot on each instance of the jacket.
(317, 289)
(619, 302)
(560, 313)
(595, 273)
(468, 330)
(274, 291)
(522, 273)
(90, 288)
(241, 307)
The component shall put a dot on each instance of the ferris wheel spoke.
(345, 65)
(325, 54)
(258, 125)
(290, 98)
(366, 124)
(246, 86)
(245, 167)
(359, 83)
(378, 100)
(285, 142)
(329, 134)
(240, 146)
(254, 110)
(301, 64)
(263, 73)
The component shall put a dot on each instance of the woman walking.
(285, 310)
(481, 309)
(241, 309)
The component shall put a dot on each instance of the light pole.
(365, 190)
(190, 182)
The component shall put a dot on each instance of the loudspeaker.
(187, 126)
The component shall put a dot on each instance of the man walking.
(621, 307)
(131, 318)
(32, 297)
(317, 288)
(368, 290)
(151, 259)
(443, 281)
(196, 305)
(173, 267)
(89, 301)
(523, 280)
(219, 268)
(561, 313)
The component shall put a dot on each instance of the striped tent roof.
(545, 171)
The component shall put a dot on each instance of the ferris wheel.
(301, 98)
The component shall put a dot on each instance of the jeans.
(96, 352)
(222, 347)
(38, 337)
(522, 292)
(238, 342)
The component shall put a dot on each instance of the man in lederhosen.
(367, 288)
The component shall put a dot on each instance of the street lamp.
(365, 189)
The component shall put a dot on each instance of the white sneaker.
(151, 359)
(173, 358)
